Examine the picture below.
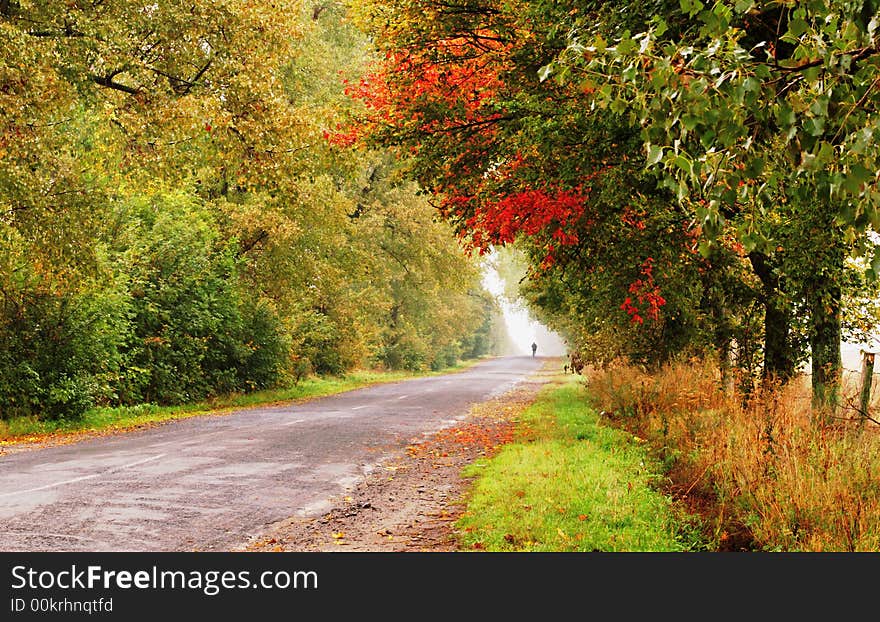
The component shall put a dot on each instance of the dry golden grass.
(767, 475)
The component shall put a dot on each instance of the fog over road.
(210, 483)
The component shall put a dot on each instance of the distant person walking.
(534, 348)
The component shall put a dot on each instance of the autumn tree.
(759, 116)
(174, 222)
(514, 159)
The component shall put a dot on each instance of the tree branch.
(857, 55)
(851, 406)
(67, 32)
(179, 85)
(248, 246)
(108, 82)
(317, 10)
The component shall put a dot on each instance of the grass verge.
(107, 420)
(568, 483)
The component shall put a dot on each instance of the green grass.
(126, 417)
(568, 483)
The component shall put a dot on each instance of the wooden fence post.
(867, 381)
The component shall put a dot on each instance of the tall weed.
(766, 473)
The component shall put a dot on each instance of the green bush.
(447, 356)
(321, 343)
(267, 348)
(403, 351)
(195, 333)
(58, 353)
(69, 397)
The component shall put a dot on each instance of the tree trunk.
(723, 342)
(778, 360)
(779, 363)
(826, 335)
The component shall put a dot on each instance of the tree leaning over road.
(513, 160)
(739, 137)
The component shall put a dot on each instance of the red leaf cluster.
(530, 212)
(646, 293)
(414, 91)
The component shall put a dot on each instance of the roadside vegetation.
(626, 460)
(688, 193)
(760, 472)
(570, 482)
(678, 178)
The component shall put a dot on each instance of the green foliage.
(485, 340)
(266, 348)
(174, 224)
(59, 347)
(59, 351)
(759, 117)
(193, 333)
(321, 343)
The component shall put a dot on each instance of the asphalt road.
(211, 483)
